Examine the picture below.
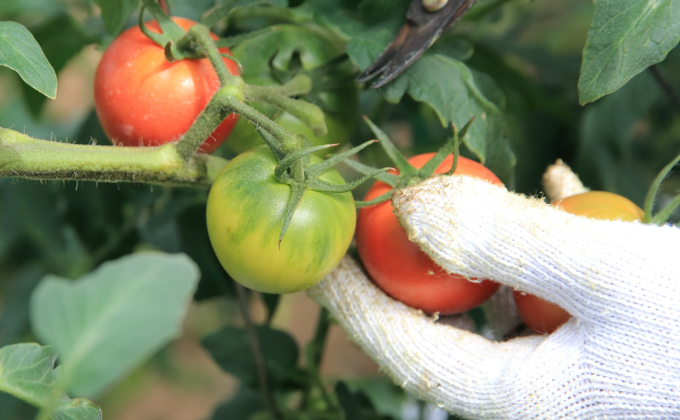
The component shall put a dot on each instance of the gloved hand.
(617, 358)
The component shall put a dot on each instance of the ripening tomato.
(544, 317)
(245, 213)
(144, 100)
(400, 268)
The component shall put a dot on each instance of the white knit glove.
(617, 358)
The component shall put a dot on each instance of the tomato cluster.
(143, 99)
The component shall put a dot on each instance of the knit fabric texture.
(617, 358)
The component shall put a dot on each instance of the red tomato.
(541, 316)
(398, 265)
(544, 317)
(144, 100)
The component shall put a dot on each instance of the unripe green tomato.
(245, 214)
(544, 317)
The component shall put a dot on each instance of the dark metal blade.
(421, 30)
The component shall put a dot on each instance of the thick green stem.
(229, 98)
(207, 121)
(22, 156)
(224, 102)
(287, 142)
(200, 34)
(310, 114)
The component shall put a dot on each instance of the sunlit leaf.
(110, 321)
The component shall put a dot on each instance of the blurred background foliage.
(531, 50)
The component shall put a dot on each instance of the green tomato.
(282, 53)
(245, 214)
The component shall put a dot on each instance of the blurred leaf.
(626, 37)
(605, 155)
(14, 316)
(350, 402)
(356, 404)
(18, 10)
(329, 13)
(111, 320)
(373, 12)
(41, 211)
(241, 407)
(27, 372)
(61, 38)
(385, 396)
(454, 47)
(231, 349)
(278, 3)
(20, 52)
(116, 13)
(10, 228)
(159, 227)
(271, 301)
(12, 408)
(196, 243)
(456, 94)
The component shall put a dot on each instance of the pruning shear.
(425, 22)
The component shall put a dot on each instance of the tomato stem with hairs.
(200, 34)
(229, 98)
(22, 156)
(309, 114)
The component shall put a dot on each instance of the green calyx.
(408, 174)
(233, 93)
(170, 34)
(295, 169)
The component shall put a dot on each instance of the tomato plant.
(297, 49)
(545, 317)
(398, 265)
(245, 214)
(144, 100)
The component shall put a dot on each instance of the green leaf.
(111, 320)
(61, 39)
(329, 14)
(14, 308)
(27, 372)
(116, 13)
(232, 350)
(626, 37)
(20, 52)
(454, 91)
(241, 407)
